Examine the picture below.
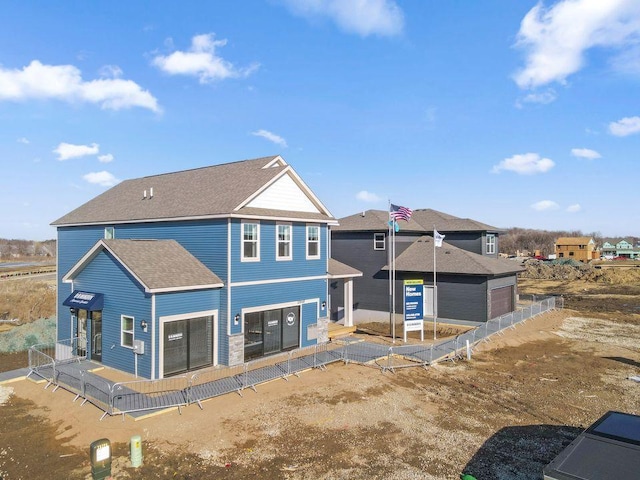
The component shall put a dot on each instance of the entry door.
(175, 347)
(96, 336)
(272, 331)
(81, 333)
(290, 328)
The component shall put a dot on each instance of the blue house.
(166, 274)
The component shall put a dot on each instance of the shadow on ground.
(520, 453)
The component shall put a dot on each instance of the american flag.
(400, 213)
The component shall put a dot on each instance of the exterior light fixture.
(236, 319)
(324, 305)
(143, 325)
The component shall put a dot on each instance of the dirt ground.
(503, 415)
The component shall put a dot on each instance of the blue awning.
(85, 300)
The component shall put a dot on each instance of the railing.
(58, 365)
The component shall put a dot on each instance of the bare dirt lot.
(503, 415)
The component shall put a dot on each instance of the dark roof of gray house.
(159, 265)
(338, 269)
(418, 257)
(422, 220)
(217, 190)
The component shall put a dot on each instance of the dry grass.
(27, 300)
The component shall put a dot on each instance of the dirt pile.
(585, 272)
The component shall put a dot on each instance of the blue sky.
(512, 113)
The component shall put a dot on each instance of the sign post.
(413, 307)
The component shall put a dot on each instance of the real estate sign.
(413, 307)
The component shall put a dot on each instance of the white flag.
(437, 238)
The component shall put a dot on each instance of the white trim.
(493, 243)
(329, 221)
(278, 160)
(153, 337)
(133, 330)
(319, 241)
(290, 242)
(183, 289)
(384, 241)
(186, 316)
(344, 275)
(277, 280)
(242, 257)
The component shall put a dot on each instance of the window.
(571, 254)
(109, 233)
(313, 241)
(491, 244)
(126, 334)
(250, 242)
(283, 240)
(378, 241)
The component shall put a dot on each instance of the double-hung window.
(313, 241)
(109, 233)
(126, 331)
(491, 244)
(378, 241)
(250, 242)
(283, 241)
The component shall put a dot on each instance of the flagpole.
(435, 287)
(393, 284)
(390, 263)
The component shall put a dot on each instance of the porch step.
(336, 330)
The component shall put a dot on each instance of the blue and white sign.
(413, 307)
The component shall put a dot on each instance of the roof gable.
(158, 265)
(574, 241)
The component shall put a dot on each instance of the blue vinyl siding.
(179, 303)
(268, 267)
(122, 296)
(273, 294)
(73, 243)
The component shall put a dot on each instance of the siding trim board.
(278, 280)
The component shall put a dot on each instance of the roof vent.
(144, 194)
(363, 213)
(151, 192)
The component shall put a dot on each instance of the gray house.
(473, 283)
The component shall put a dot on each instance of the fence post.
(389, 354)
(431, 355)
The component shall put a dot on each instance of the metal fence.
(60, 365)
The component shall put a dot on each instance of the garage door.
(501, 301)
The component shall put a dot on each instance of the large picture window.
(126, 331)
(491, 244)
(313, 241)
(283, 248)
(250, 242)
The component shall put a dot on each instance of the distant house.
(473, 284)
(582, 249)
(166, 274)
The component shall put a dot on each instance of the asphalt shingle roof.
(162, 264)
(418, 257)
(422, 220)
(338, 269)
(196, 193)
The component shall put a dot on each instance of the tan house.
(582, 249)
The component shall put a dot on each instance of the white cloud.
(625, 126)
(363, 17)
(65, 151)
(272, 137)
(105, 158)
(104, 178)
(201, 61)
(574, 208)
(64, 82)
(23, 140)
(556, 38)
(545, 205)
(525, 164)
(585, 153)
(367, 196)
(543, 98)
(111, 71)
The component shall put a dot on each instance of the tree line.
(13, 248)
